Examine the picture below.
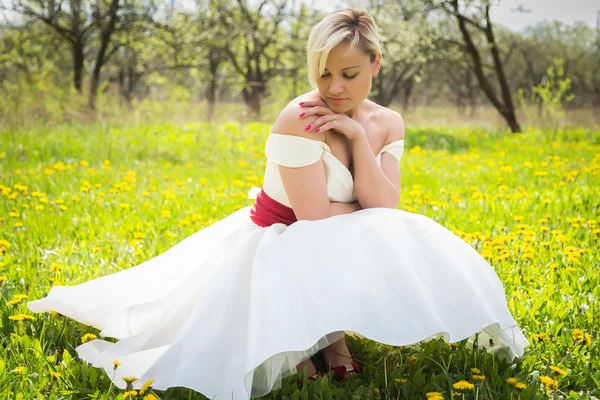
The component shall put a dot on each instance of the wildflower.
(520, 385)
(434, 395)
(19, 370)
(56, 374)
(146, 386)
(165, 213)
(150, 397)
(87, 337)
(129, 379)
(578, 334)
(20, 317)
(540, 337)
(56, 267)
(130, 394)
(550, 384)
(588, 339)
(116, 364)
(512, 381)
(463, 385)
(558, 370)
(3, 278)
(399, 380)
(476, 371)
(478, 378)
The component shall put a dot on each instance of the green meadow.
(81, 202)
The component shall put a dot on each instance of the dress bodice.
(296, 151)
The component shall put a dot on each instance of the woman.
(236, 307)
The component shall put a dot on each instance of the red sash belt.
(266, 211)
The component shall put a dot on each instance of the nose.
(336, 86)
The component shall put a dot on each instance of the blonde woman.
(237, 307)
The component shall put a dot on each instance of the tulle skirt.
(232, 309)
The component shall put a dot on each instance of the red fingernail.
(301, 102)
(307, 127)
(317, 130)
(302, 115)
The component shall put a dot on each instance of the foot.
(338, 355)
(310, 368)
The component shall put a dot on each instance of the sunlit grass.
(79, 203)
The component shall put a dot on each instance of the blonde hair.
(351, 25)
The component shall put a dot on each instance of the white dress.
(232, 309)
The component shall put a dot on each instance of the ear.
(377, 64)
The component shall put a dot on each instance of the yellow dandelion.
(19, 370)
(56, 267)
(578, 334)
(588, 339)
(512, 381)
(399, 380)
(476, 371)
(3, 278)
(478, 378)
(116, 363)
(463, 385)
(431, 395)
(150, 396)
(520, 385)
(146, 386)
(87, 337)
(56, 374)
(165, 213)
(129, 379)
(558, 370)
(130, 394)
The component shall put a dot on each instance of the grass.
(81, 202)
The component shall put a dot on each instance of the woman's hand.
(344, 124)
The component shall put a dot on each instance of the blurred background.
(501, 64)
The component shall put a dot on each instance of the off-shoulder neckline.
(329, 148)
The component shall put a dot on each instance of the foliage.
(85, 201)
(550, 95)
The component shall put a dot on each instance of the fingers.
(317, 110)
(323, 124)
(314, 102)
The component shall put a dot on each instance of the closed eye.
(345, 76)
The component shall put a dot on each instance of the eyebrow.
(343, 69)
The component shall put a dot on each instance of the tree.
(476, 15)
(255, 40)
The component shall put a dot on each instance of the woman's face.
(348, 78)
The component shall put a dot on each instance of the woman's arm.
(371, 185)
(337, 208)
(377, 184)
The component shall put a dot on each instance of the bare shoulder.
(394, 126)
(289, 122)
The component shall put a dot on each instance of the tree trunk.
(506, 108)
(211, 92)
(408, 88)
(101, 56)
(78, 60)
(252, 97)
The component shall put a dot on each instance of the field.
(81, 202)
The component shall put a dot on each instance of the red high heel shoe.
(342, 372)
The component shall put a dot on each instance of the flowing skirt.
(232, 309)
